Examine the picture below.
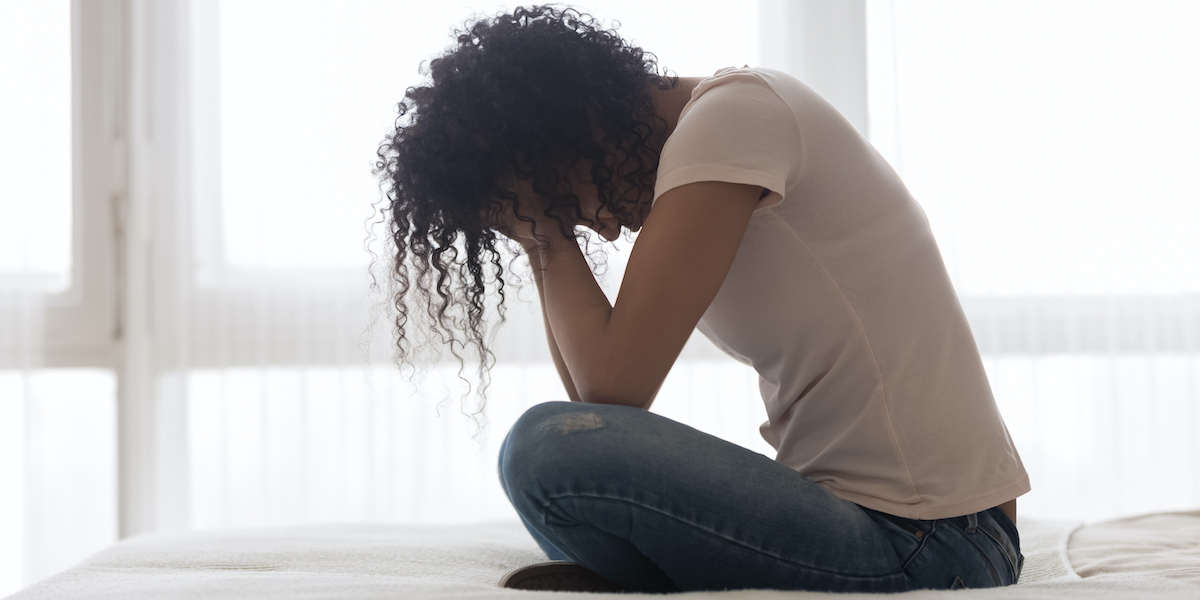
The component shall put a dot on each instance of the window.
(1051, 144)
(35, 231)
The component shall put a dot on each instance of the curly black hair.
(519, 96)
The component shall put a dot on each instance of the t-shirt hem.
(724, 173)
(930, 510)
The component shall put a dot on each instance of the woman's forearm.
(535, 262)
(578, 314)
(622, 352)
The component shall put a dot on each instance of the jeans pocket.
(993, 544)
(998, 535)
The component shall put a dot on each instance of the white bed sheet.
(1162, 545)
(466, 561)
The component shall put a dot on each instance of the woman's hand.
(621, 353)
(521, 230)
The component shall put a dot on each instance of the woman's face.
(593, 216)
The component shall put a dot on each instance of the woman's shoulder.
(747, 79)
(737, 92)
(746, 82)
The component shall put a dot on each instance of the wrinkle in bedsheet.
(1163, 545)
(377, 561)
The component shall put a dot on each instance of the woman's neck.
(668, 104)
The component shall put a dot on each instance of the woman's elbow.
(614, 390)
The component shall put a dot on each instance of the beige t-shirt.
(839, 299)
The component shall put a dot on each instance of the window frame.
(81, 324)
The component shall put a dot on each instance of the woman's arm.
(620, 354)
(535, 261)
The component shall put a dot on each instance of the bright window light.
(35, 139)
(1052, 144)
(309, 91)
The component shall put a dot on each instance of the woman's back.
(839, 298)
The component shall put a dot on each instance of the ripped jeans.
(657, 506)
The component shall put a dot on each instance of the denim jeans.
(657, 506)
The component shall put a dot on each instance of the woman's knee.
(543, 439)
(561, 417)
(536, 423)
(549, 423)
(525, 426)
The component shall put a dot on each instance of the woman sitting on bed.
(767, 222)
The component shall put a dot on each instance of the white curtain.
(57, 421)
(20, 345)
(56, 452)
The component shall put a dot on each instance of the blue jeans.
(657, 506)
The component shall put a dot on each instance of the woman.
(768, 223)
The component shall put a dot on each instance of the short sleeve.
(736, 129)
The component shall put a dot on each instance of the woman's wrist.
(530, 246)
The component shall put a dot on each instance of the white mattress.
(424, 562)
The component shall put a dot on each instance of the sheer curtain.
(57, 398)
(57, 423)
(20, 355)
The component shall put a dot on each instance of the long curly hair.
(519, 96)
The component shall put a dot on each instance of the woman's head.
(542, 100)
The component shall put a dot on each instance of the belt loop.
(972, 522)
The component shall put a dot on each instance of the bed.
(1150, 556)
